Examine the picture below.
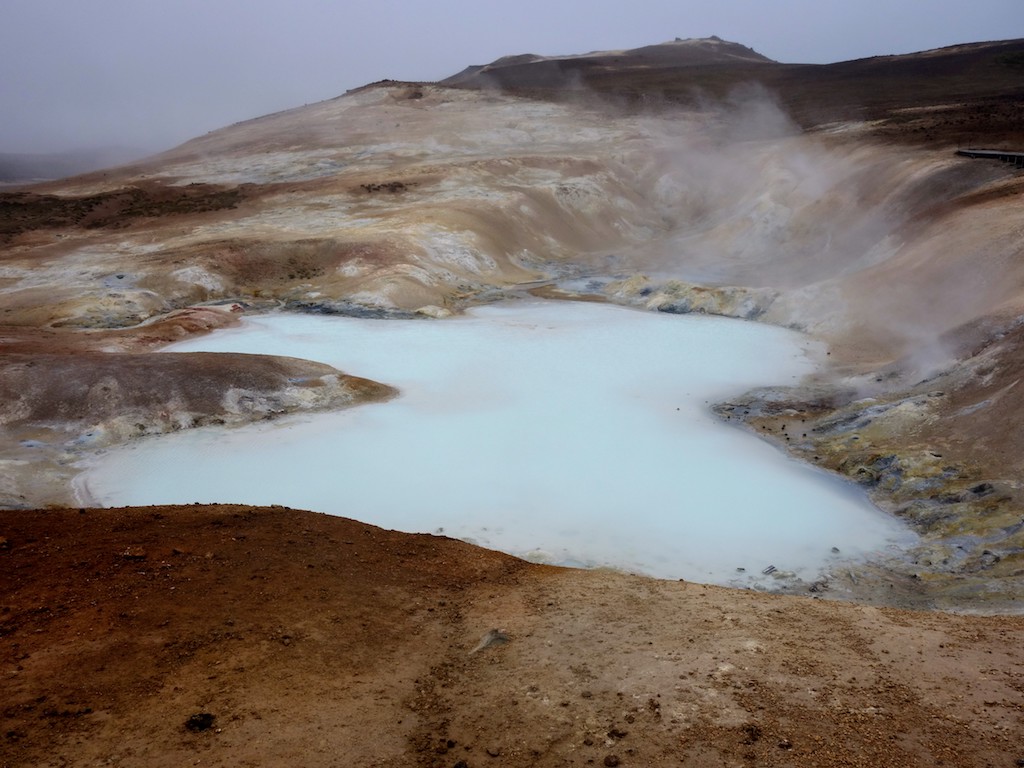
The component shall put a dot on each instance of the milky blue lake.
(570, 433)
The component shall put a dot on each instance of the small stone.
(200, 721)
(785, 744)
(587, 695)
(988, 558)
(611, 760)
(493, 751)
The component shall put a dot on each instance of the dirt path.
(319, 641)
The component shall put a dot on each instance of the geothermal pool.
(571, 433)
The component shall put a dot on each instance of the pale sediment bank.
(59, 409)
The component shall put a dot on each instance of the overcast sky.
(154, 73)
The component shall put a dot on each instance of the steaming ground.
(403, 197)
(577, 434)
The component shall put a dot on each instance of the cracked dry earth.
(232, 635)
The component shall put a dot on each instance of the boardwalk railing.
(1017, 158)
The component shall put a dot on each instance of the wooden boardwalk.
(1017, 158)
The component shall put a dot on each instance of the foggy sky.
(153, 73)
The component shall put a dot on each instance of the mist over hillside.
(25, 168)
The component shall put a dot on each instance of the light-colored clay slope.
(405, 196)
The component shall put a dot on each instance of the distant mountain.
(530, 70)
(22, 167)
(979, 85)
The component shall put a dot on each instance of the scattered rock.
(752, 732)
(200, 721)
(654, 707)
(611, 760)
(989, 558)
(387, 186)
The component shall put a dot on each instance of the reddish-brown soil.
(238, 636)
(26, 211)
